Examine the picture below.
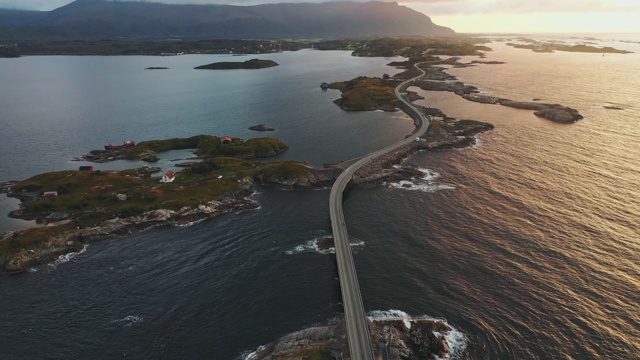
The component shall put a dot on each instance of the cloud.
(475, 7)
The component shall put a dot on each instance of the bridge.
(356, 323)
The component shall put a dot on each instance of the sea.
(527, 244)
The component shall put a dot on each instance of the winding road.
(357, 325)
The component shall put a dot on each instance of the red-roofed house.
(168, 177)
(226, 140)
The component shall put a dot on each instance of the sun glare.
(539, 22)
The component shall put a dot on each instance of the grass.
(366, 93)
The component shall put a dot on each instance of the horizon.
(467, 16)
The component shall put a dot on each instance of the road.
(356, 322)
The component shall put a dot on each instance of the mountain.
(110, 19)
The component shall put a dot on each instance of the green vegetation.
(287, 169)
(231, 65)
(204, 146)
(365, 93)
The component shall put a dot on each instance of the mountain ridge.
(87, 19)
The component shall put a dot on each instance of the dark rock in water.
(563, 115)
(261, 127)
(553, 112)
(613, 107)
(524, 105)
(150, 158)
(483, 99)
(157, 68)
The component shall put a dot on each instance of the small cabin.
(226, 140)
(50, 194)
(168, 177)
(86, 168)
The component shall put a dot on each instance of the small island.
(261, 127)
(157, 68)
(234, 65)
(549, 47)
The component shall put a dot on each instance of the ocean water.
(527, 244)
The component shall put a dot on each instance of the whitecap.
(456, 340)
(128, 320)
(63, 259)
(386, 315)
(314, 246)
(425, 183)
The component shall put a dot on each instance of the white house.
(168, 177)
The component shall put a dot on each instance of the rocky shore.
(434, 82)
(392, 339)
(71, 239)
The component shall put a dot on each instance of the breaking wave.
(456, 340)
(128, 321)
(426, 182)
(323, 245)
(63, 259)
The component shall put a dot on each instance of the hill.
(94, 19)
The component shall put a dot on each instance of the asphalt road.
(356, 322)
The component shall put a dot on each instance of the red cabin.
(226, 140)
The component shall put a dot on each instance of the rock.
(121, 197)
(150, 158)
(561, 115)
(455, 87)
(261, 127)
(483, 99)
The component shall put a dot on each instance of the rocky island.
(233, 65)
(550, 47)
(261, 127)
(392, 339)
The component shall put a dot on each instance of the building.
(50, 194)
(86, 168)
(226, 140)
(168, 177)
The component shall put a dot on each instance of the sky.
(474, 16)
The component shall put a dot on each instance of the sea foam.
(63, 259)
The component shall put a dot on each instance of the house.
(86, 168)
(168, 177)
(226, 140)
(50, 193)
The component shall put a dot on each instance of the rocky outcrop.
(261, 127)
(553, 112)
(295, 175)
(391, 339)
(458, 88)
(73, 239)
(561, 114)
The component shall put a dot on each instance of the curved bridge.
(358, 334)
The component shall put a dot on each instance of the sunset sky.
(585, 16)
